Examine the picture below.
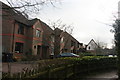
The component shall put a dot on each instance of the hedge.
(63, 68)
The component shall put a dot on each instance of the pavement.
(16, 67)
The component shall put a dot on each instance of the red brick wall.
(37, 41)
(7, 27)
(26, 39)
(67, 41)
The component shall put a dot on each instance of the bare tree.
(101, 44)
(100, 47)
(59, 24)
(28, 7)
(65, 32)
(116, 31)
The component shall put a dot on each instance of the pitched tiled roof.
(16, 15)
(33, 21)
(92, 40)
(47, 33)
(46, 27)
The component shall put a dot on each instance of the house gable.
(37, 32)
(92, 45)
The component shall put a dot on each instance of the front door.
(38, 50)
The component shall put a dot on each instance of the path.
(100, 75)
(107, 75)
(16, 67)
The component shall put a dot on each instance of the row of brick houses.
(22, 36)
(67, 43)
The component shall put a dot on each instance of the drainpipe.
(8, 63)
(13, 37)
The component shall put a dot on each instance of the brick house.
(48, 41)
(37, 36)
(64, 42)
(14, 31)
(21, 36)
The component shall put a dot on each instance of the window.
(38, 33)
(21, 29)
(52, 50)
(62, 39)
(72, 43)
(78, 45)
(52, 39)
(89, 47)
(19, 47)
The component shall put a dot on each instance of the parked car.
(67, 55)
(110, 55)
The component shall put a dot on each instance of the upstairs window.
(62, 40)
(38, 32)
(78, 45)
(52, 39)
(72, 43)
(21, 29)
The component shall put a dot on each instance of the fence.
(64, 68)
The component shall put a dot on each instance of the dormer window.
(38, 32)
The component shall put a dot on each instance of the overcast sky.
(89, 18)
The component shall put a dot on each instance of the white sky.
(87, 16)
